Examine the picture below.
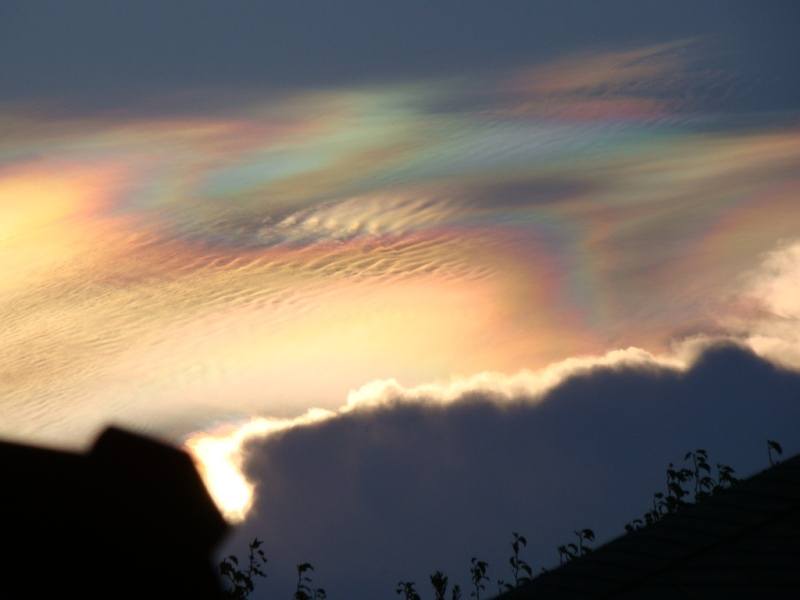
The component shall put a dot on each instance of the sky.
(259, 231)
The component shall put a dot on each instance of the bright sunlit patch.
(46, 217)
(219, 458)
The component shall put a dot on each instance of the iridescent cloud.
(177, 272)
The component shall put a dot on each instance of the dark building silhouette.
(739, 543)
(130, 518)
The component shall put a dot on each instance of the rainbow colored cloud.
(175, 271)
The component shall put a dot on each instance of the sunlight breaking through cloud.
(219, 458)
(773, 332)
(221, 453)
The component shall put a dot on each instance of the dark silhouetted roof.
(742, 542)
(130, 518)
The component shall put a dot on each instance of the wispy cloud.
(216, 259)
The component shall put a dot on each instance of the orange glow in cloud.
(46, 218)
(219, 458)
(171, 272)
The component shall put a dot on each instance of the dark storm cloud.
(103, 53)
(372, 497)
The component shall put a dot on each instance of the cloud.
(246, 46)
(218, 256)
(221, 454)
(768, 315)
(426, 478)
(402, 480)
(764, 321)
(647, 82)
(605, 72)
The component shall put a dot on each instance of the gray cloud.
(92, 54)
(524, 193)
(398, 491)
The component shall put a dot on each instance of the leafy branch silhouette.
(241, 582)
(439, 583)
(304, 589)
(693, 481)
(521, 571)
(478, 575)
(571, 551)
(407, 591)
(773, 446)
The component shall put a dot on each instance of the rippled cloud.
(178, 270)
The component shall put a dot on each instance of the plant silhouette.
(240, 583)
(407, 590)
(439, 583)
(304, 589)
(773, 446)
(568, 552)
(478, 575)
(520, 570)
(694, 480)
(701, 473)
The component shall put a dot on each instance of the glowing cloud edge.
(220, 455)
